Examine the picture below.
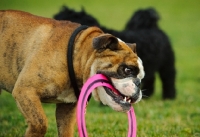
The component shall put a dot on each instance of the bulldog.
(34, 69)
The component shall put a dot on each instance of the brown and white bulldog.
(34, 69)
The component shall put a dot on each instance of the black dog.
(153, 46)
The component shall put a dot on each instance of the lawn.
(156, 118)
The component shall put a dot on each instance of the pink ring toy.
(93, 82)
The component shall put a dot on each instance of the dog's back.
(21, 35)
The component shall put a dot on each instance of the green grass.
(155, 117)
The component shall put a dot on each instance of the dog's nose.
(137, 82)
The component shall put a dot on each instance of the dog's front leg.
(29, 103)
(66, 118)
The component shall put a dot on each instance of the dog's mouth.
(120, 98)
(126, 93)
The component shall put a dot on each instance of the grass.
(155, 117)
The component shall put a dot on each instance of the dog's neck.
(70, 65)
(84, 53)
(76, 45)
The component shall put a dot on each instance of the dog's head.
(143, 19)
(81, 17)
(119, 62)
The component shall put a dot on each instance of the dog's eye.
(128, 71)
(131, 71)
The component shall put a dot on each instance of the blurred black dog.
(153, 45)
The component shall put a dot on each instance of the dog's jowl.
(34, 69)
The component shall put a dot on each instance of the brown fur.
(33, 66)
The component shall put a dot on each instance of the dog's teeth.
(129, 101)
(124, 98)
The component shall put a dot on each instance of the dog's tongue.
(125, 86)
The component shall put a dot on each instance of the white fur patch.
(141, 68)
(120, 40)
(124, 86)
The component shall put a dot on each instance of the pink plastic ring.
(93, 82)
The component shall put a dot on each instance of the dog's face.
(121, 65)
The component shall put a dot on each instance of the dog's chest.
(66, 96)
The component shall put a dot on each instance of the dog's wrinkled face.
(119, 63)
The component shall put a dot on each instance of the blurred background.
(180, 19)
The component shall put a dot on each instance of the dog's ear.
(105, 41)
(132, 46)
